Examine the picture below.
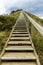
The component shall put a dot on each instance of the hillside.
(6, 24)
(36, 36)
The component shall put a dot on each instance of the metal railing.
(35, 24)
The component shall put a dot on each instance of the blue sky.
(33, 6)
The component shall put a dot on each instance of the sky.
(32, 6)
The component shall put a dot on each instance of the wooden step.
(21, 24)
(19, 63)
(18, 56)
(24, 38)
(21, 28)
(19, 39)
(19, 49)
(19, 42)
(19, 32)
(20, 35)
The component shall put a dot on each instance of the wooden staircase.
(19, 49)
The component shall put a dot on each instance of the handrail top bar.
(35, 24)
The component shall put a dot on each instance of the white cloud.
(2, 8)
(6, 4)
(41, 17)
(15, 3)
(29, 5)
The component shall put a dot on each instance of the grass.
(38, 43)
(6, 24)
(3, 38)
(36, 36)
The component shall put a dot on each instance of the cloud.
(33, 6)
(2, 8)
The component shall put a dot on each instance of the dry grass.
(36, 36)
(6, 27)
